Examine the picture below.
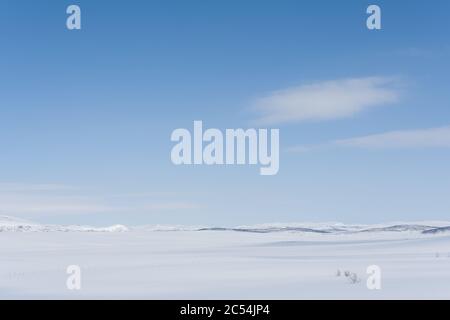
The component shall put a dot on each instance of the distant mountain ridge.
(437, 230)
(11, 224)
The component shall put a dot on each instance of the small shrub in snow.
(352, 277)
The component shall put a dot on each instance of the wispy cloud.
(413, 52)
(326, 100)
(20, 199)
(47, 199)
(171, 206)
(25, 204)
(29, 187)
(400, 139)
(422, 138)
(440, 51)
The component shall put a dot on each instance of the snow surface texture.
(272, 261)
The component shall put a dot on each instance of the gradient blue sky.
(86, 116)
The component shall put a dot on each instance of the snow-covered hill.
(437, 230)
(11, 224)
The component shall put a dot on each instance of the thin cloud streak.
(401, 139)
(51, 199)
(326, 100)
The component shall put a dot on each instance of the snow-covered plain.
(271, 261)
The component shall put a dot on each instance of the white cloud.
(171, 206)
(53, 199)
(23, 187)
(400, 139)
(422, 138)
(48, 199)
(326, 100)
(11, 204)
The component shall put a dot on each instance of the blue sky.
(86, 116)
